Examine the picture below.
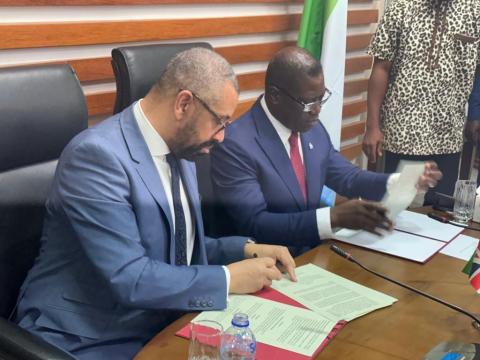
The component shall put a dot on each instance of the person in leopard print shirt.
(426, 57)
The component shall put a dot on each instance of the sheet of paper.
(276, 324)
(420, 224)
(396, 243)
(402, 193)
(462, 247)
(330, 295)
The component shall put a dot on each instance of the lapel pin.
(310, 145)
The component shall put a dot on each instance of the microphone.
(337, 250)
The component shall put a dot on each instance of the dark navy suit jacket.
(104, 282)
(253, 178)
(474, 102)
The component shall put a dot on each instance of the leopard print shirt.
(434, 47)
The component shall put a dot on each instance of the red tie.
(297, 163)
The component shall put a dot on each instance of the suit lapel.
(312, 169)
(146, 167)
(268, 139)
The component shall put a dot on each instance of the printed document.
(401, 244)
(422, 225)
(330, 295)
(276, 324)
(462, 247)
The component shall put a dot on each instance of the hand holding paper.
(401, 193)
(430, 176)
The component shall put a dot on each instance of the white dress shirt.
(324, 225)
(159, 150)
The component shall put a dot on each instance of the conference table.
(408, 329)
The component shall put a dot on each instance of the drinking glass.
(465, 193)
(205, 336)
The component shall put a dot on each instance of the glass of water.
(465, 193)
(205, 336)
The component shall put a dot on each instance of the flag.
(472, 269)
(323, 32)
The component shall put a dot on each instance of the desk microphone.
(337, 250)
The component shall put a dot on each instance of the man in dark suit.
(270, 170)
(123, 247)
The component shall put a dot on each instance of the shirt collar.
(281, 129)
(156, 145)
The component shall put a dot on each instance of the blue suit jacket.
(254, 179)
(104, 282)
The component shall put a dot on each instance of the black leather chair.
(41, 109)
(136, 69)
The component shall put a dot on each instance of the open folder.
(416, 237)
(296, 320)
(265, 351)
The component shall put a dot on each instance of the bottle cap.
(240, 320)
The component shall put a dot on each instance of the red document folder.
(265, 351)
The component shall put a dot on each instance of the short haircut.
(288, 64)
(199, 70)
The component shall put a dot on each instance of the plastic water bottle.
(238, 341)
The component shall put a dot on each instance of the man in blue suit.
(270, 170)
(123, 248)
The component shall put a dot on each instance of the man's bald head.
(290, 65)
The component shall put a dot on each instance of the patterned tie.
(297, 163)
(180, 224)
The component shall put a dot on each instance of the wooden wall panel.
(251, 52)
(91, 70)
(362, 17)
(354, 108)
(351, 151)
(100, 103)
(28, 35)
(355, 87)
(251, 81)
(358, 41)
(358, 64)
(18, 36)
(100, 69)
(353, 130)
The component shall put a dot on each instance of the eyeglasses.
(223, 121)
(307, 107)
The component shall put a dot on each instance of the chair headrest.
(41, 109)
(137, 68)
